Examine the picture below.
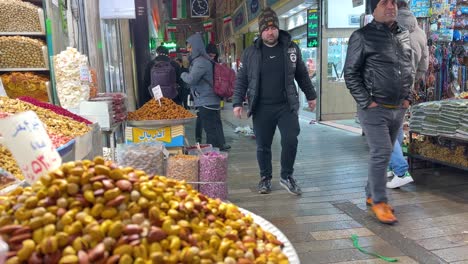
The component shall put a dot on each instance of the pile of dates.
(96, 212)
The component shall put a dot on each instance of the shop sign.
(171, 46)
(152, 135)
(170, 136)
(313, 28)
(115, 9)
(25, 136)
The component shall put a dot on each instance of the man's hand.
(312, 104)
(238, 111)
(372, 105)
(406, 104)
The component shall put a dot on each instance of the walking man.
(379, 75)
(266, 77)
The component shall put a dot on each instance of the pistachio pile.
(19, 16)
(21, 52)
(97, 212)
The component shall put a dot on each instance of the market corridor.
(331, 168)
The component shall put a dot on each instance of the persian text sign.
(25, 136)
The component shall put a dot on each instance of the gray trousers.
(381, 127)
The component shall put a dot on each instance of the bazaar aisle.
(331, 168)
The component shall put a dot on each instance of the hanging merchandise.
(442, 21)
(420, 8)
(72, 78)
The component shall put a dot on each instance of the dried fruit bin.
(122, 215)
(23, 53)
(21, 18)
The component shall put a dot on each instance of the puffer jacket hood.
(406, 19)
(198, 47)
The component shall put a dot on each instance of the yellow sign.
(151, 135)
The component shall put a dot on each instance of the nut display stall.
(88, 211)
(162, 122)
(24, 63)
(92, 210)
(65, 129)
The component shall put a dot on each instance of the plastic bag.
(213, 167)
(148, 157)
(183, 167)
(194, 150)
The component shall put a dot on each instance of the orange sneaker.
(384, 213)
(369, 202)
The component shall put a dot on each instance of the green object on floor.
(355, 239)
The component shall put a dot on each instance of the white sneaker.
(400, 181)
(389, 173)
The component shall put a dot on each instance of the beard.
(270, 41)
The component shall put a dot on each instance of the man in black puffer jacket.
(266, 77)
(379, 74)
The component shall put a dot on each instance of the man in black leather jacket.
(379, 74)
(266, 77)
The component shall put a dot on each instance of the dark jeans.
(198, 129)
(381, 126)
(265, 120)
(210, 118)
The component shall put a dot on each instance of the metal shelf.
(420, 157)
(23, 69)
(437, 161)
(22, 34)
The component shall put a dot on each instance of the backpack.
(223, 80)
(164, 75)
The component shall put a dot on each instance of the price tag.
(25, 136)
(157, 93)
(2, 89)
(84, 74)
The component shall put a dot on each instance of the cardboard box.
(170, 136)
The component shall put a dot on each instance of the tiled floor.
(331, 167)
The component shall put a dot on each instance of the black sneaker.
(290, 185)
(225, 147)
(264, 186)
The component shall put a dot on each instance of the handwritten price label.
(25, 136)
(157, 93)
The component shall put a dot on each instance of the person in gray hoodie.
(200, 79)
(418, 39)
(398, 166)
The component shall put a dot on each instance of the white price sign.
(84, 74)
(157, 93)
(2, 89)
(25, 136)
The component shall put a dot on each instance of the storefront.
(336, 103)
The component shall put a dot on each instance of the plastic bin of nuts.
(183, 167)
(148, 157)
(122, 215)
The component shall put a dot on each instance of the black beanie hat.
(162, 50)
(373, 5)
(267, 19)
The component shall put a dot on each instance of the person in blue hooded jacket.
(200, 79)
